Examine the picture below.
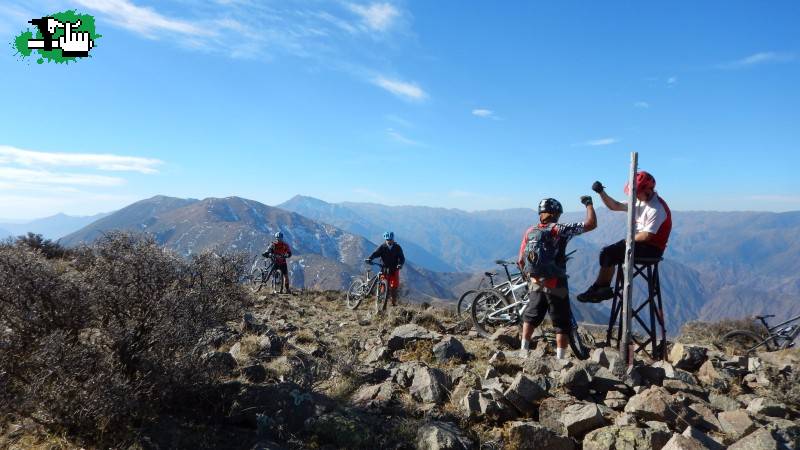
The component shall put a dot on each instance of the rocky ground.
(304, 371)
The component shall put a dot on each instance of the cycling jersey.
(562, 233)
(280, 250)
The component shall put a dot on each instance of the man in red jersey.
(653, 225)
(280, 250)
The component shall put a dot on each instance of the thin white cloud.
(143, 20)
(672, 80)
(24, 178)
(376, 16)
(598, 142)
(399, 137)
(485, 113)
(402, 89)
(117, 163)
(641, 105)
(758, 59)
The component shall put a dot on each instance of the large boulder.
(644, 375)
(534, 436)
(767, 407)
(579, 419)
(430, 385)
(680, 442)
(703, 438)
(627, 437)
(575, 381)
(709, 376)
(442, 436)
(687, 357)
(374, 396)
(524, 392)
(408, 333)
(656, 403)
(448, 348)
(550, 410)
(736, 424)
(723, 402)
(507, 338)
(762, 439)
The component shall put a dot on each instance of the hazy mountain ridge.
(325, 257)
(718, 264)
(52, 227)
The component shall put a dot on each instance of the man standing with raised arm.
(542, 256)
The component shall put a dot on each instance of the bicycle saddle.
(490, 274)
(504, 263)
(765, 317)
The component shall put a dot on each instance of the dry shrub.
(698, 332)
(109, 340)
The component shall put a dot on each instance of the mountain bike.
(365, 286)
(465, 301)
(492, 310)
(778, 337)
(265, 272)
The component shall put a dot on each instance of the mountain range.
(52, 227)
(718, 264)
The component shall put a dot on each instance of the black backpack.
(541, 250)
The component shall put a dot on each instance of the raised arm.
(607, 200)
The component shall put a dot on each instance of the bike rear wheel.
(355, 293)
(743, 343)
(464, 306)
(484, 309)
(381, 296)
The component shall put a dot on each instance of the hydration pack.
(541, 249)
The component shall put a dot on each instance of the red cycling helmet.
(644, 181)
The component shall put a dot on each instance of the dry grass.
(711, 332)
(342, 387)
(249, 345)
(418, 351)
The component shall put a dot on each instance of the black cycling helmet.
(550, 205)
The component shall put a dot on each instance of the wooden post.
(627, 290)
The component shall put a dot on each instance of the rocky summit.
(303, 371)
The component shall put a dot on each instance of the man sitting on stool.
(653, 225)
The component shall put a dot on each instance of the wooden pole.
(625, 344)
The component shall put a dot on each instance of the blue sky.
(472, 105)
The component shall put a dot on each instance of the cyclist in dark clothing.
(280, 250)
(392, 258)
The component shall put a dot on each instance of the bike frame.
(372, 281)
(773, 336)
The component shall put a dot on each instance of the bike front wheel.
(355, 293)
(277, 282)
(486, 314)
(381, 296)
(743, 343)
(256, 278)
